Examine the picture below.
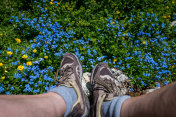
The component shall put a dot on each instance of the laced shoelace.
(64, 75)
(107, 85)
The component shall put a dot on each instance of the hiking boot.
(71, 76)
(103, 87)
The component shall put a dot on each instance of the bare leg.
(160, 103)
(43, 105)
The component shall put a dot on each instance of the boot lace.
(64, 75)
(106, 85)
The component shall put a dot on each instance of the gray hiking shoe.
(103, 86)
(71, 76)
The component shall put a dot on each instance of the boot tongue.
(109, 80)
(106, 71)
(66, 61)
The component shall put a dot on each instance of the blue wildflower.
(7, 93)
(39, 82)
(27, 88)
(122, 68)
(50, 68)
(1, 88)
(17, 75)
(12, 88)
(36, 91)
(128, 66)
(46, 88)
(143, 83)
(15, 63)
(166, 82)
(156, 19)
(130, 89)
(162, 25)
(148, 14)
(158, 85)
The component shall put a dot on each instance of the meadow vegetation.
(134, 36)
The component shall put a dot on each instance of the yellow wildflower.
(1, 64)
(167, 7)
(29, 63)
(3, 77)
(117, 12)
(25, 56)
(1, 35)
(18, 40)
(115, 60)
(20, 67)
(46, 57)
(52, 0)
(123, 37)
(143, 42)
(169, 16)
(45, 7)
(5, 69)
(173, 2)
(58, 3)
(51, 3)
(165, 16)
(46, 42)
(34, 50)
(113, 22)
(9, 53)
